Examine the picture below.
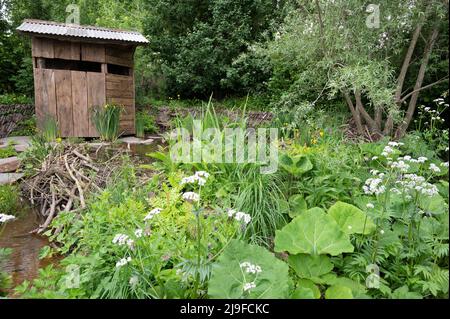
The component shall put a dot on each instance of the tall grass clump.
(50, 131)
(106, 121)
(9, 199)
(259, 195)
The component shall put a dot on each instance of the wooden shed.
(77, 67)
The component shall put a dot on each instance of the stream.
(23, 263)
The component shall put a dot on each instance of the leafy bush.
(25, 128)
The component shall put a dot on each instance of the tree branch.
(401, 130)
(423, 88)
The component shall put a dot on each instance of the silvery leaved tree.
(378, 57)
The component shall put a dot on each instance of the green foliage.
(25, 128)
(7, 151)
(351, 219)
(230, 275)
(9, 199)
(313, 232)
(106, 121)
(11, 98)
(5, 278)
(145, 123)
(199, 44)
(50, 131)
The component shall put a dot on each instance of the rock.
(9, 178)
(131, 140)
(147, 142)
(21, 147)
(10, 164)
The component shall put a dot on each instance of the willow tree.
(376, 57)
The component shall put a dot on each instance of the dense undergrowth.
(339, 219)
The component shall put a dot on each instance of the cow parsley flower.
(422, 159)
(250, 268)
(249, 285)
(152, 213)
(370, 206)
(199, 177)
(373, 186)
(138, 233)
(240, 216)
(120, 239)
(191, 197)
(123, 262)
(5, 218)
(444, 164)
(434, 168)
(134, 280)
(401, 165)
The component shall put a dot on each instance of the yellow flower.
(58, 140)
(321, 133)
(314, 141)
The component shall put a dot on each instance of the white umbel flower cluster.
(240, 216)
(122, 239)
(199, 177)
(6, 218)
(413, 182)
(249, 285)
(374, 186)
(152, 213)
(123, 262)
(435, 168)
(191, 197)
(250, 268)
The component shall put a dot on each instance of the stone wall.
(12, 115)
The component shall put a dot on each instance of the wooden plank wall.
(95, 95)
(63, 79)
(120, 90)
(80, 111)
(69, 95)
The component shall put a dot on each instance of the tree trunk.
(389, 125)
(355, 114)
(401, 130)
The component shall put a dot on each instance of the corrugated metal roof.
(79, 31)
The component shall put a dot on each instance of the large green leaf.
(227, 278)
(313, 232)
(306, 284)
(295, 165)
(351, 219)
(338, 292)
(433, 204)
(297, 205)
(303, 293)
(308, 266)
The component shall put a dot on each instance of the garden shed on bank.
(78, 67)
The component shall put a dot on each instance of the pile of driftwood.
(67, 175)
